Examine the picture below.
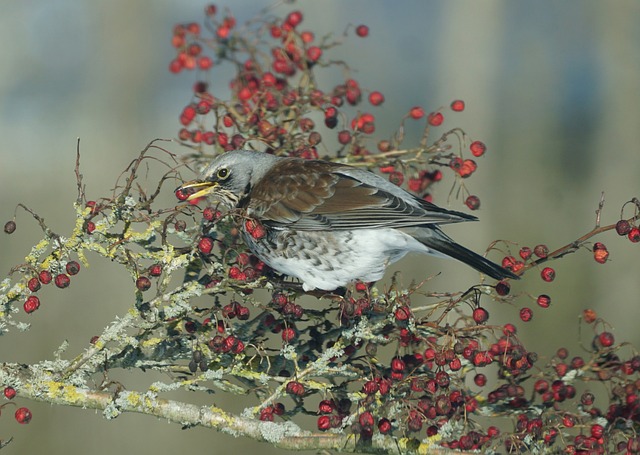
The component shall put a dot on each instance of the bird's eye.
(223, 173)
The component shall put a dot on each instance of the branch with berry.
(381, 367)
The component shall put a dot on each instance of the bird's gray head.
(231, 176)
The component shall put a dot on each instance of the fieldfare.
(329, 224)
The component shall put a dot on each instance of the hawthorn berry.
(435, 118)
(526, 314)
(597, 431)
(416, 113)
(324, 423)
(33, 284)
(589, 316)
(10, 227)
(477, 148)
(457, 105)
(31, 304)
(384, 426)
(480, 315)
(205, 245)
(403, 313)
(23, 415)
(295, 388)
(600, 253)
(62, 280)
(473, 202)
(366, 419)
(544, 300)
(9, 392)
(362, 31)
(541, 251)
(480, 380)
(623, 227)
(143, 283)
(289, 334)
(548, 274)
(525, 253)
(634, 235)
(155, 270)
(606, 339)
(503, 288)
(45, 277)
(72, 268)
(89, 227)
(376, 98)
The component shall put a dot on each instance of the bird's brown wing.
(315, 195)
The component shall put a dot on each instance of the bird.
(329, 224)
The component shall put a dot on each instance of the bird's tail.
(434, 239)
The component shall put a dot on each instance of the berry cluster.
(276, 103)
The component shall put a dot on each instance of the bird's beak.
(196, 189)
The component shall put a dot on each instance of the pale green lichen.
(275, 432)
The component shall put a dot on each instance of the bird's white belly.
(330, 259)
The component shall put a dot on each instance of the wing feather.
(316, 195)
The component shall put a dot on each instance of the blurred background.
(552, 88)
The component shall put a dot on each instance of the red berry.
(503, 288)
(623, 227)
(477, 148)
(90, 227)
(600, 253)
(403, 313)
(606, 339)
(473, 202)
(589, 316)
(72, 268)
(397, 364)
(384, 426)
(457, 105)
(435, 119)
(597, 431)
(416, 113)
(376, 98)
(31, 304)
(509, 329)
(634, 235)
(9, 392)
(326, 406)
(344, 137)
(324, 423)
(295, 388)
(182, 195)
(541, 251)
(544, 300)
(45, 277)
(288, 334)
(480, 315)
(480, 380)
(525, 253)
(155, 270)
(23, 415)
(33, 284)
(205, 245)
(526, 314)
(143, 283)
(293, 18)
(362, 31)
(548, 274)
(366, 419)
(62, 280)
(314, 53)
